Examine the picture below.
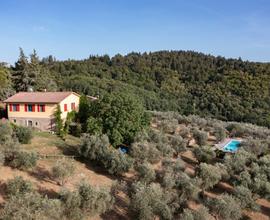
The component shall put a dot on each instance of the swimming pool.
(232, 146)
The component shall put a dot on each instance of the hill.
(183, 81)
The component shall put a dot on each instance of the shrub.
(24, 160)
(200, 214)
(18, 186)
(94, 201)
(245, 198)
(63, 169)
(149, 201)
(157, 137)
(94, 147)
(24, 134)
(187, 214)
(5, 132)
(176, 166)
(244, 179)
(10, 149)
(178, 144)
(184, 132)
(188, 187)
(179, 165)
(31, 206)
(97, 148)
(223, 171)
(71, 204)
(117, 162)
(220, 133)
(145, 151)
(254, 146)
(236, 130)
(201, 137)
(169, 126)
(209, 174)
(165, 149)
(146, 172)
(226, 207)
(238, 162)
(204, 154)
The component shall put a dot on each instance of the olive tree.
(18, 186)
(226, 207)
(209, 174)
(97, 148)
(94, 200)
(204, 154)
(201, 137)
(178, 144)
(148, 201)
(245, 198)
(63, 169)
(23, 160)
(145, 172)
(31, 206)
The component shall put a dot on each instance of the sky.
(75, 29)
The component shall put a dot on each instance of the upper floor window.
(29, 107)
(65, 107)
(73, 106)
(14, 107)
(41, 108)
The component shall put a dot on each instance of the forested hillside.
(187, 82)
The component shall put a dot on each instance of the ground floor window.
(30, 123)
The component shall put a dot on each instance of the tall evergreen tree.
(22, 80)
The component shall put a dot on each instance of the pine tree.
(21, 79)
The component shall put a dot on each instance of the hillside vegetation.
(171, 171)
(186, 82)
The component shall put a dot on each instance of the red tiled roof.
(38, 97)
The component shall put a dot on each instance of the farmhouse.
(36, 109)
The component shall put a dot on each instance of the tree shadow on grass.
(120, 210)
(98, 169)
(41, 174)
(50, 193)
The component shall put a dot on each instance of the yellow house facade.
(36, 109)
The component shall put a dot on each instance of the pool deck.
(223, 143)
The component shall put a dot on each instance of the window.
(36, 123)
(29, 108)
(30, 123)
(72, 106)
(14, 120)
(14, 107)
(41, 108)
(65, 107)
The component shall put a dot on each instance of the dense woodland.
(182, 81)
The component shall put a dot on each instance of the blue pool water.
(232, 146)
